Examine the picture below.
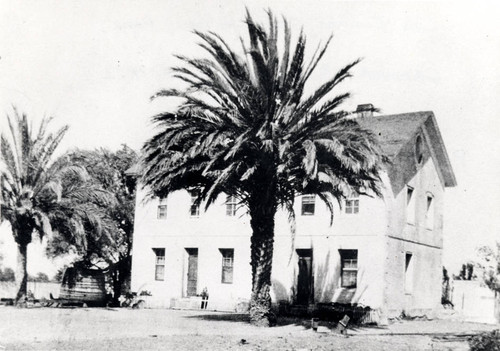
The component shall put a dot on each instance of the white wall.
(474, 302)
(214, 230)
(424, 243)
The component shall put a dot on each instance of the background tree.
(489, 265)
(39, 278)
(246, 128)
(40, 193)
(466, 272)
(7, 273)
(112, 252)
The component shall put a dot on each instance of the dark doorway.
(192, 271)
(305, 277)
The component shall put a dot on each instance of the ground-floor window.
(349, 268)
(227, 265)
(159, 264)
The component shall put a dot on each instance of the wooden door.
(192, 272)
(305, 278)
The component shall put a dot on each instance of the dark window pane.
(308, 205)
(159, 263)
(349, 268)
(231, 206)
(195, 210)
(352, 206)
(162, 212)
(227, 265)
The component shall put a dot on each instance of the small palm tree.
(40, 194)
(246, 128)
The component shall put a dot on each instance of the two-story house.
(380, 252)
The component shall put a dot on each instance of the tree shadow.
(282, 321)
(325, 281)
(245, 318)
(223, 317)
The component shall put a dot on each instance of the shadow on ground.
(281, 321)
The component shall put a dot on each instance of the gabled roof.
(395, 131)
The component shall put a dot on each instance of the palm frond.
(245, 124)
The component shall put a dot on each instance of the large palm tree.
(246, 128)
(41, 193)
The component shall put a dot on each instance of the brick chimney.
(365, 110)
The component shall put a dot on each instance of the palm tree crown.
(40, 194)
(246, 128)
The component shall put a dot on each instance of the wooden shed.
(84, 285)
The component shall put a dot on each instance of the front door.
(305, 277)
(192, 272)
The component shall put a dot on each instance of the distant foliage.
(489, 264)
(39, 278)
(488, 341)
(59, 275)
(7, 275)
(466, 272)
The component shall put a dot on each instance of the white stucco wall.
(415, 237)
(213, 230)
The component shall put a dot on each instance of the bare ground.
(126, 329)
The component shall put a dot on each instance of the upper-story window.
(308, 205)
(194, 210)
(161, 212)
(429, 214)
(410, 205)
(352, 204)
(231, 205)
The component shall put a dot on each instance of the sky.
(93, 65)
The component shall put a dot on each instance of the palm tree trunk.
(262, 241)
(22, 273)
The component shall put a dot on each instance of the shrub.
(487, 341)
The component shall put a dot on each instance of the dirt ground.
(126, 329)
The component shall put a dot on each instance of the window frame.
(352, 256)
(194, 209)
(409, 272)
(410, 204)
(419, 149)
(430, 212)
(159, 263)
(352, 204)
(161, 211)
(308, 201)
(231, 205)
(227, 265)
